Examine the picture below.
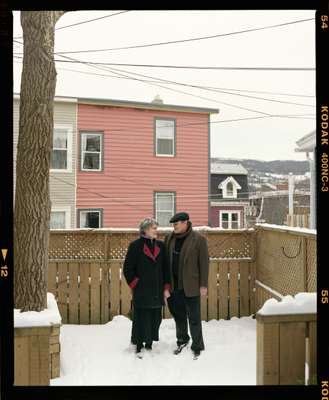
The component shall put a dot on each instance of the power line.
(152, 84)
(143, 199)
(188, 40)
(187, 66)
(211, 90)
(83, 22)
(206, 87)
(171, 89)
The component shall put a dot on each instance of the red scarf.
(147, 250)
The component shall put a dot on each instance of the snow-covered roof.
(307, 142)
(223, 168)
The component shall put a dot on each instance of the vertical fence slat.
(223, 290)
(252, 293)
(313, 353)
(105, 294)
(95, 307)
(62, 291)
(115, 289)
(244, 289)
(84, 293)
(125, 296)
(73, 293)
(52, 273)
(292, 353)
(212, 291)
(267, 353)
(233, 291)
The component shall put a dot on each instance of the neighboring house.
(115, 162)
(141, 159)
(307, 144)
(63, 161)
(272, 204)
(229, 195)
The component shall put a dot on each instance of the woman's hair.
(147, 223)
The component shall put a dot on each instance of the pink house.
(141, 159)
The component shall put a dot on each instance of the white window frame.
(173, 195)
(67, 210)
(236, 187)
(156, 137)
(100, 134)
(69, 130)
(229, 212)
(100, 212)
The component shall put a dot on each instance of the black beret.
(181, 216)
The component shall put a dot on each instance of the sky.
(285, 46)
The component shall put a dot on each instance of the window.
(61, 156)
(60, 218)
(164, 207)
(91, 218)
(229, 188)
(91, 151)
(229, 220)
(165, 137)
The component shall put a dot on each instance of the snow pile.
(103, 355)
(47, 317)
(301, 303)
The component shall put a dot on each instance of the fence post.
(281, 348)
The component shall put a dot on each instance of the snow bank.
(47, 317)
(101, 355)
(288, 228)
(301, 303)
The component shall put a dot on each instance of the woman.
(146, 270)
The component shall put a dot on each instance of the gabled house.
(229, 195)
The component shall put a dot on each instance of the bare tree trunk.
(32, 197)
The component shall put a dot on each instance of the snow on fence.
(286, 341)
(93, 292)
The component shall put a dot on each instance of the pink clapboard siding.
(132, 173)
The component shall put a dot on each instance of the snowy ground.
(102, 355)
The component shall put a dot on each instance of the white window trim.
(69, 130)
(223, 186)
(84, 151)
(173, 140)
(172, 210)
(87, 211)
(67, 210)
(229, 212)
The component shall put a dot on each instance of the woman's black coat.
(147, 261)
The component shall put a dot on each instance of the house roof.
(222, 168)
(135, 104)
(306, 143)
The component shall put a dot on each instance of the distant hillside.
(274, 167)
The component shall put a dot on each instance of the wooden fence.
(94, 292)
(285, 263)
(285, 344)
(247, 268)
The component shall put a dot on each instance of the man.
(189, 265)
